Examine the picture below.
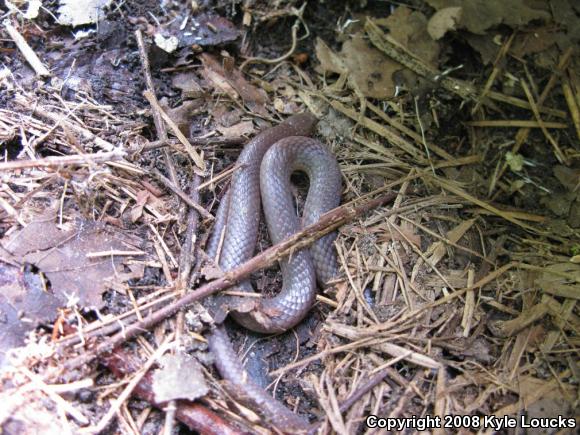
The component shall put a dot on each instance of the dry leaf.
(370, 69)
(244, 128)
(409, 28)
(24, 304)
(179, 378)
(444, 20)
(189, 85)
(77, 12)
(62, 256)
(480, 15)
(252, 96)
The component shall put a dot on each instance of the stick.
(195, 155)
(57, 162)
(26, 50)
(189, 201)
(327, 223)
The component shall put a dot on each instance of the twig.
(187, 250)
(157, 116)
(511, 123)
(57, 162)
(572, 104)
(167, 183)
(201, 141)
(327, 223)
(26, 50)
(159, 125)
(278, 59)
(193, 153)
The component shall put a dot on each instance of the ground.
(120, 125)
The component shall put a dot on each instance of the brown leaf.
(252, 96)
(62, 256)
(179, 378)
(444, 20)
(480, 15)
(244, 128)
(24, 304)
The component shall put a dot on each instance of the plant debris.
(456, 125)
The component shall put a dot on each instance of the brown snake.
(265, 166)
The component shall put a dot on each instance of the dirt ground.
(456, 125)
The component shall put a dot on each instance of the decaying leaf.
(409, 28)
(244, 128)
(444, 20)
(62, 255)
(480, 15)
(183, 113)
(24, 303)
(234, 84)
(569, 177)
(78, 12)
(179, 378)
(368, 69)
(189, 85)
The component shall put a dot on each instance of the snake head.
(302, 124)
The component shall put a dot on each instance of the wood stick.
(57, 162)
(195, 155)
(27, 51)
(327, 223)
(189, 201)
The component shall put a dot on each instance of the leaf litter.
(460, 298)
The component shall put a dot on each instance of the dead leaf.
(329, 60)
(189, 85)
(244, 128)
(369, 69)
(24, 304)
(570, 178)
(77, 12)
(409, 28)
(62, 256)
(484, 45)
(285, 106)
(137, 210)
(183, 113)
(180, 377)
(533, 42)
(444, 20)
(235, 84)
(480, 15)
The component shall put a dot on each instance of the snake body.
(265, 166)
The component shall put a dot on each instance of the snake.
(263, 178)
